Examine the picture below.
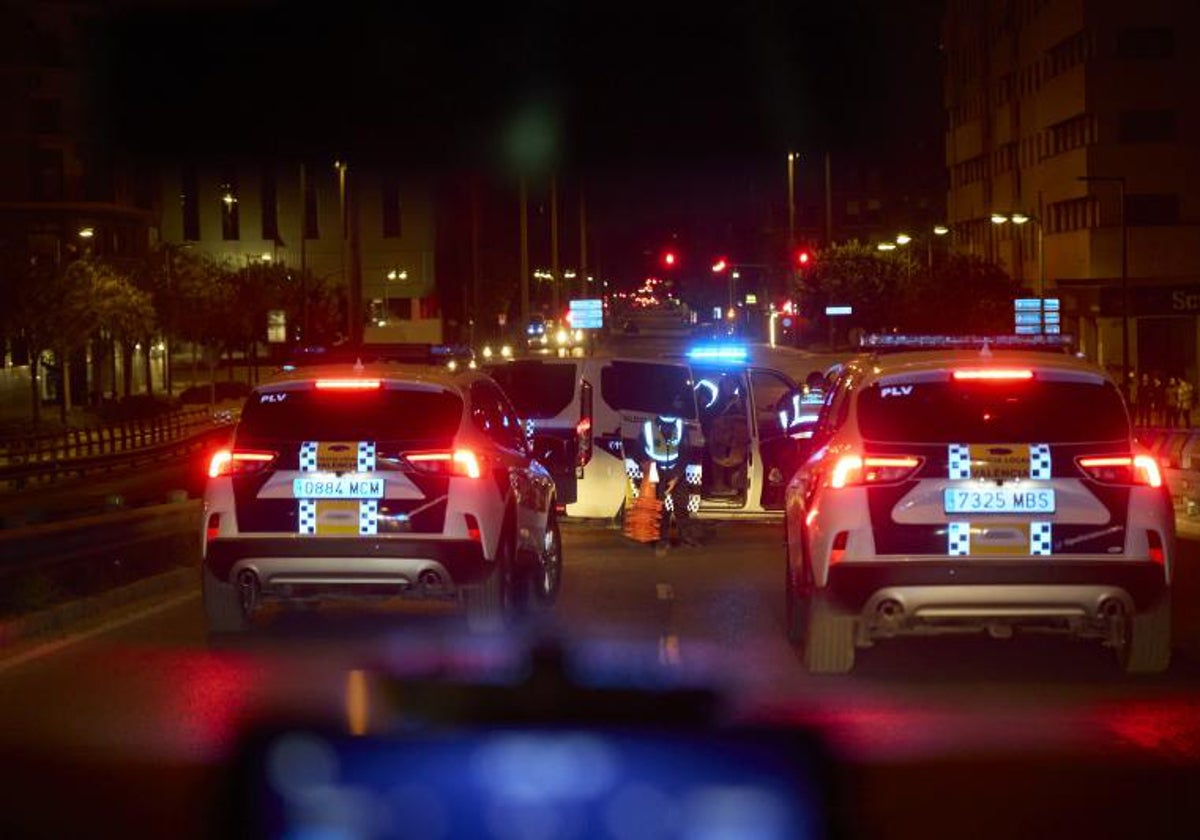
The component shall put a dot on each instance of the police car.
(376, 482)
(982, 487)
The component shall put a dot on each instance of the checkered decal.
(308, 456)
(958, 461)
(668, 502)
(959, 539)
(308, 516)
(366, 456)
(1040, 538)
(694, 473)
(693, 502)
(632, 469)
(1039, 460)
(368, 517)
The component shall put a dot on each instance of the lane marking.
(50, 648)
(665, 591)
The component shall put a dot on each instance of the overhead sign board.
(1036, 316)
(839, 310)
(586, 313)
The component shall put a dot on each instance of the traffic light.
(720, 265)
(670, 259)
(803, 258)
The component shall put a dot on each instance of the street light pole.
(791, 193)
(1119, 180)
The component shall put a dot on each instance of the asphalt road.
(140, 719)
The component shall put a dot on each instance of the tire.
(1147, 648)
(490, 606)
(222, 606)
(828, 643)
(546, 571)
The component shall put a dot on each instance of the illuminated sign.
(839, 310)
(586, 314)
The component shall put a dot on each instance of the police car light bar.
(718, 353)
(886, 341)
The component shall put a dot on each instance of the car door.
(776, 450)
(531, 483)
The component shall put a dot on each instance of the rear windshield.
(990, 412)
(537, 390)
(652, 388)
(385, 414)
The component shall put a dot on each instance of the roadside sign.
(839, 310)
(1034, 316)
(586, 313)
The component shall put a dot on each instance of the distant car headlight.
(561, 337)
(506, 351)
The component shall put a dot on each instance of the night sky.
(666, 103)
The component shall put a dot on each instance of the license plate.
(1001, 499)
(338, 487)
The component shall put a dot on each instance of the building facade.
(332, 220)
(1082, 118)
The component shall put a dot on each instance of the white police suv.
(378, 482)
(982, 488)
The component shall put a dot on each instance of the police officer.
(666, 443)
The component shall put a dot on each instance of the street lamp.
(1119, 180)
(886, 246)
(1019, 219)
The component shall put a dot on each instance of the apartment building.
(315, 217)
(1082, 118)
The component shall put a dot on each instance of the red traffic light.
(803, 258)
(720, 265)
(669, 258)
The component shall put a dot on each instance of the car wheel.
(547, 570)
(222, 606)
(491, 605)
(828, 642)
(1147, 644)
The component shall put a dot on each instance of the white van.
(598, 407)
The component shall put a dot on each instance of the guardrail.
(79, 452)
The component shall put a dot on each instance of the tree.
(858, 275)
(964, 294)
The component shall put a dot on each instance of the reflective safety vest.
(663, 449)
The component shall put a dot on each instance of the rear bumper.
(338, 561)
(994, 584)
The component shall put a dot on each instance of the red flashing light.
(720, 265)
(669, 259)
(992, 375)
(348, 384)
(803, 257)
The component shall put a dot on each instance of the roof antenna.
(358, 365)
(985, 352)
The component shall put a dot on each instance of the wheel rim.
(551, 562)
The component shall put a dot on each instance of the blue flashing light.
(718, 353)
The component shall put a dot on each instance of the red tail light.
(238, 462)
(838, 550)
(348, 384)
(851, 470)
(1156, 547)
(213, 527)
(583, 429)
(1122, 469)
(473, 532)
(992, 374)
(459, 462)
